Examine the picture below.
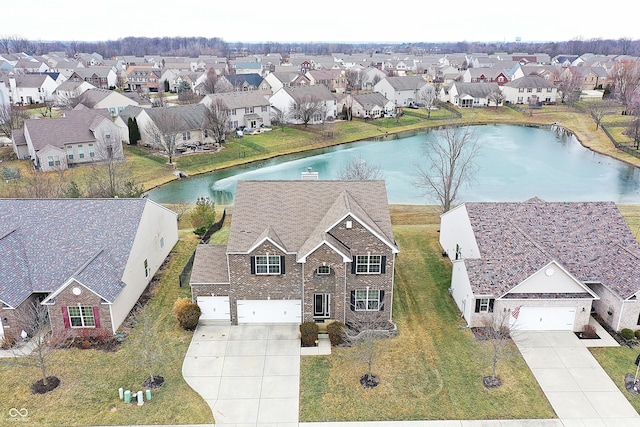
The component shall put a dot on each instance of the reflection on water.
(516, 163)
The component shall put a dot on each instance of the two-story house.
(530, 90)
(99, 76)
(305, 250)
(404, 91)
(317, 98)
(31, 88)
(245, 109)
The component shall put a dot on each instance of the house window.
(53, 160)
(484, 305)
(529, 90)
(186, 135)
(549, 90)
(368, 264)
(161, 242)
(367, 300)
(264, 108)
(81, 317)
(539, 89)
(146, 268)
(248, 110)
(92, 152)
(70, 153)
(81, 151)
(323, 270)
(267, 264)
(519, 100)
(521, 89)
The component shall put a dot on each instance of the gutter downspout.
(620, 316)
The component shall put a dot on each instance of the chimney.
(309, 175)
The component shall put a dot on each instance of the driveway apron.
(248, 374)
(579, 390)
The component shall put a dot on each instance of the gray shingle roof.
(300, 211)
(407, 82)
(250, 98)
(589, 239)
(321, 92)
(193, 115)
(371, 100)
(210, 265)
(476, 90)
(75, 126)
(46, 242)
(530, 81)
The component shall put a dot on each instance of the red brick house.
(299, 251)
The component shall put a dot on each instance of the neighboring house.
(298, 257)
(335, 80)
(288, 99)
(87, 260)
(471, 94)
(31, 88)
(370, 105)
(245, 82)
(69, 90)
(532, 90)
(485, 75)
(278, 80)
(246, 109)
(403, 91)
(79, 136)
(370, 77)
(142, 78)
(547, 263)
(590, 78)
(111, 100)
(100, 77)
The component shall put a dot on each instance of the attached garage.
(214, 308)
(545, 319)
(269, 311)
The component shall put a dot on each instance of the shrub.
(589, 331)
(308, 334)
(637, 334)
(8, 341)
(187, 313)
(336, 333)
(627, 334)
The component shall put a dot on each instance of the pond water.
(516, 163)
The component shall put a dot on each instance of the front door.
(321, 306)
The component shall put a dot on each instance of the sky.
(297, 21)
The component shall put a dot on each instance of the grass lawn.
(432, 369)
(88, 393)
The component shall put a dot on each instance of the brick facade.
(86, 298)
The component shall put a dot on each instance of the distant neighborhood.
(101, 99)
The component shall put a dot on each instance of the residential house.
(69, 90)
(485, 75)
(547, 264)
(87, 260)
(532, 90)
(246, 109)
(590, 78)
(80, 136)
(100, 77)
(470, 94)
(30, 88)
(243, 67)
(298, 257)
(278, 80)
(111, 100)
(370, 77)
(31, 65)
(335, 80)
(403, 91)
(142, 78)
(245, 82)
(289, 100)
(371, 105)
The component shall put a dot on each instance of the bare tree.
(148, 346)
(448, 163)
(633, 131)
(496, 344)
(359, 170)
(11, 118)
(354, 80)
(162, 131)
(39, 185)
(598, 110)
(214, 84)
(626, 83)
(428, 97)
(497, 97)
(569, 87)
(306, 109)
(216, 119)
(159, 100)
(279, 117)
(37, 352)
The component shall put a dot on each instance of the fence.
(619, 145)
(185, 275)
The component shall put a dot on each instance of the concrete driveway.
(248, 374)
(579, 390)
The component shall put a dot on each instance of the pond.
(516, 163)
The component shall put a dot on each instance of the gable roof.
(251, 98)
(371, 99)
(46, 242)
(406, 82)
(300, 213)
(193, 115)
(591, 240)
(530, 81)
(475, 90)
(321, 92)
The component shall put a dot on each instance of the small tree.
(163, 129)
(36, 320)
(216, 117)
(11, 118)
(279, 117)
(306, 108)
(497, 97)
(358, 169)
(598, 110)
(203, 215)
(148, 346)
(428, 97)
(496, 343)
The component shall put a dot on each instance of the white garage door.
(214, 308)
(269, 311)
(545, 319)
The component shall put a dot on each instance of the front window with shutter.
(81, 317)
(368, 264)
(267, 264)
(367, 300)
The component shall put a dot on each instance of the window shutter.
(353, 266)
(353, 301)
(253, 265)
(381, 302)
(96, 316)
(281, 264)
(65, 317)
(383, 266)
(491, 301)
(477, 305)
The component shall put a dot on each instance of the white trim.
(64, 286)
(381, 238)
(251, 249)
(345, 258)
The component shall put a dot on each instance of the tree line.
(195, 46)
